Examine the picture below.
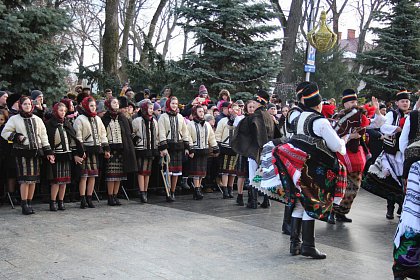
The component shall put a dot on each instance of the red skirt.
(354, 162)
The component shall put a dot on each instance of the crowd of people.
(311, 154)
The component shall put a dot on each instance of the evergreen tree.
(30, 54)
(235, 51)
(333, 74)
(395, 62)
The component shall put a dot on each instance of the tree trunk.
(129, 15)
(110, 39)
(81, 62)
(289, 43)
(170, 30)
(148, 39)
(184, 49)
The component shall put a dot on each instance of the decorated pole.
(321, 39)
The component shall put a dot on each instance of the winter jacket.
(33, 129)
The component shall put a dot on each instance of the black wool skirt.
(28, 170)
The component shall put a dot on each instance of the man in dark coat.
(250, 136)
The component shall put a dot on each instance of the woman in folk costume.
(66, 147)
(384, 176)
(174, 140)
(311, 173)
(91, 132)
(224, 133)
(203, 142)
(146, 141)
(123, 159)
(71, 114)
(407, 237)
(351, 120)
(30, 143)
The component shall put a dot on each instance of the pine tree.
(30, 54)
(235, 51)
(395, 62)
(332, 74)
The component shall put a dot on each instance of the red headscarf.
(144, 109)
(68, 102)
(168, 108)
(23, 113)
(114, 113)
(85, 105)
(55, 112)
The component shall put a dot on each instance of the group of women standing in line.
(73, 148)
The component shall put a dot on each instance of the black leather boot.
(25, 208)
(111, 200)
(53, 206)
(29, 201)
(117, 201)
(253, 203)
(225, 192)
(89, 201)
(266, 202)
(342, 218)
(171, 197)
(230, 192)
(143, 197)
(295, 236)
(287, 220)
(61, 206)
(390, 210)
(308, 236)
(399, 209)
(83, 203)
(197, 195)
(240, 199)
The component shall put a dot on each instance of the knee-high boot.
(308, 236)
(390, 209)
(287, 220)
(253, 202)
(295, 236)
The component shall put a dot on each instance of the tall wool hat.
(311, 96)
(300, 88)
(12, 99)
(202, 90)
(123, 101)
(348, 95)
(262, 97)
(35, 94)
(403, 94)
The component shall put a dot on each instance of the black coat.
(51, 126)
(253, 132)
(129, 156)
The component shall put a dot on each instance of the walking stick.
(165, 175)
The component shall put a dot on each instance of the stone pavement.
(208, 239)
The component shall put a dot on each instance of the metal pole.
(310, 26)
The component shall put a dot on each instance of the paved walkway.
(209, 239)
